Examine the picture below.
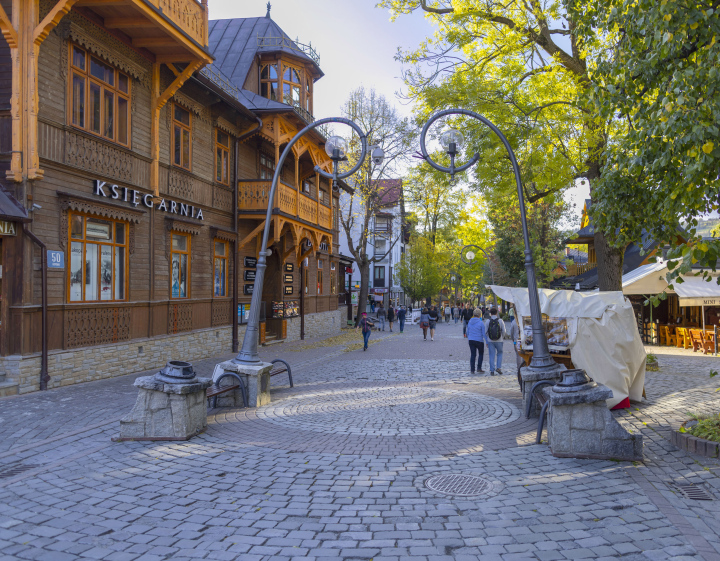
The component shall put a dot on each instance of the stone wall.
(107, 361)
(323, 324)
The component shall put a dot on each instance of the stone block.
(158, 400)
(584, 417)
(586, 443)
(618, 449)
(530, 377)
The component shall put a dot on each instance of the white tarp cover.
(695, 291)
(646, 279)
(604, 339)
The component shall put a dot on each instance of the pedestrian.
(494, 334)
(434, 317)
(447, 313)
(391, 316)
(516, 338)
(401, 318)
(476, 340)
(365, 326)
(424, 322)
(458, 313)
(381, 315)
(467, 316)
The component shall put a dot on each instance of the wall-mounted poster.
(288, 278)
(288, 289)
(250, 262)
(248, 288)
(289, 267)
(291, 308)
(278, 310)
(249, 275)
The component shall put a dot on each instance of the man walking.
(381, 315)
(494, 334)
(447, 313)
(467, 316)
(401, 318)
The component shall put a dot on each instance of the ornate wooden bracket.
(251, 235)
(51, 20)
(7, 29)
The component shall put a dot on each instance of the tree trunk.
(364, 266)
(609, 264)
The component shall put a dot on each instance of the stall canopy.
(696, 291)
(646, 279)
(603, 338)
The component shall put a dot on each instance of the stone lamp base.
(256, 376)
(166, 411)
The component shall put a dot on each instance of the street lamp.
(336, 147)
(468, 257)
(451, 141)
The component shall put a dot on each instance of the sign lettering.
(250, 262)
(7, 228)
(135, 198)
(249, 275)
(55, 259)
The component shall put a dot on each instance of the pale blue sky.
(356, 42)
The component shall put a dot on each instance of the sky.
(357, 44)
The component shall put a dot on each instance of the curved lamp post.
(468, 257)
(452, 140)
(336, 147)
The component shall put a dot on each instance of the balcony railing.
(188, 15)
(253, 195)
(289, 44)
(579, 268)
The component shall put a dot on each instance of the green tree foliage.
(421, 270)
(517, 62)
(657, 73)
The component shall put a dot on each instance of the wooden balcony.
(575, 269)
(254, 195)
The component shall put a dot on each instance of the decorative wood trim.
(227, 126)
(180, 225)
(51, 20)
(222, 234)
(188, 103)
(8, 30)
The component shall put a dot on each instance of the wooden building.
(135, 178)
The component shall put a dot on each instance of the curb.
(695, 445)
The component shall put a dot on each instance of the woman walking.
(424, 322)
(365, 326)
(434, 317)
(391, 316)
(476, 340)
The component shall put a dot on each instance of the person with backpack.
(401, 318)
(424, 322)
(391, 316)
(476, 340)
(467, 316)
(447, 313)
(434, 317)
(364, 325)
(494, 334)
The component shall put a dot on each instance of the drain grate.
(459, 485)
(16, 470)
(693, 492)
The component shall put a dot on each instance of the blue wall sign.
(55, 259)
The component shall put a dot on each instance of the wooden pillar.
(297, 186)
(317, 189)
(155, 129)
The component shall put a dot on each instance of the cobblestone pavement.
(335, 468)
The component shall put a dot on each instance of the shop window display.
(180, 266)
(220, 276)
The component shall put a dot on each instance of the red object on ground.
(624, 404)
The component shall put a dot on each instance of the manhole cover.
(458, 485)
(16, 470)
(691, 491)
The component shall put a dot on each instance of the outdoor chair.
(666, 337)
(710, 341)
(683, 338)
(699, 341)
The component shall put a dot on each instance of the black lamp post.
(336, 148)
(452, 140)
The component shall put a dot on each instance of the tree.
(656, 74)
(419, 271)
(519, 63)
(385, 128)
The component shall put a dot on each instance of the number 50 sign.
(55, 259)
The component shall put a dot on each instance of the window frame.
(265, 169)
(224, 151)
(224, 257)
(189, 264)
(333, 279)
(183, 128)
(87, 77)
(85, 241)
(319, 278)
(276, 80)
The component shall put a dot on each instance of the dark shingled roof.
(234, 44)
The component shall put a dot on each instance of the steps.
(7, 388)
(272, 340)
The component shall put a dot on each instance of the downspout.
(236, 226)
(44, 376)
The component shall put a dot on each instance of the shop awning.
(10, 209)
(647, 279)
(695, 291)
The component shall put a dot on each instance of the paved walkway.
(337, 467)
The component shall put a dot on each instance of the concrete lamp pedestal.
(580, 425)
(169, 406)
(255, 376)
(530, 376)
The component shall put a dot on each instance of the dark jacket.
(401, 314)
(391, 314)
(468, 313)
(433, 315)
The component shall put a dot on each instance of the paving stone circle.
(390, 411)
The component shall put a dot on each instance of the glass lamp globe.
(470, 255)
(336, 142)
(452, 278)
(452, 136)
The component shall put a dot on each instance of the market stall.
(597, 328)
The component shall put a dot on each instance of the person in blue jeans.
(476, 340)
(365, 327)
(401, 318)
(494, 334)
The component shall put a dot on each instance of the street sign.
(55, 259)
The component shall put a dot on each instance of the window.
(333, 279)
(98, 259)
(269, 81)
(181, 137)
(99, 97)
(308, 94)
(220, 268)
(267, 167)
(179, 263)
(320, 276)
(324, 197)
(379, 277)
(292, 85)
(308, 185)
(222, 148)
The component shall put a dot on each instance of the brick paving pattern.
(335, 467)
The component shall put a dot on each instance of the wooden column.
(297, 186)
(317, 193)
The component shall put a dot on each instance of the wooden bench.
(683, 338)
(216, 389)
(667, 338)
(280, 367)
(699, 341)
